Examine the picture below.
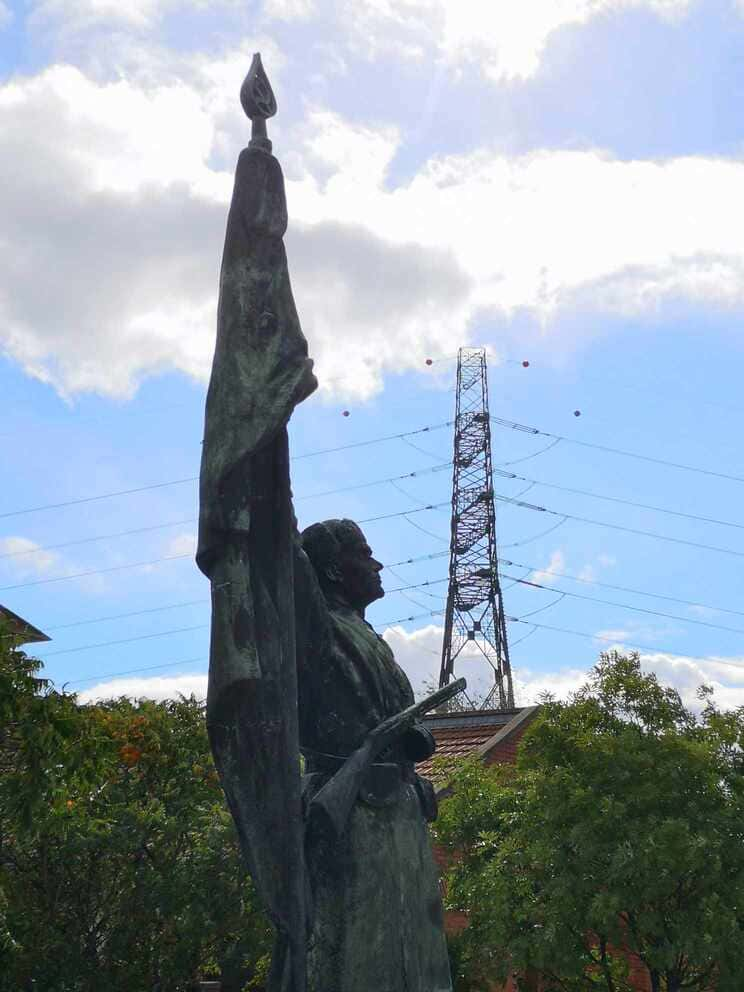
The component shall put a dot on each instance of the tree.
(616, 841)
(119, 864)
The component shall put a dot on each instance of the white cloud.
(529, 686)
(289, 10)
(82, 13)
(506, 39)
(725, 675)
(137, 15)
(156, 687)
(640, 231)
(590, 571)
(25, 557)
(418, 652)
(114, 209)
(69, 16)
(685, 674)
(557, 563)
(123, 219)
(181, 544)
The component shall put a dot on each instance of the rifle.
(331, 807)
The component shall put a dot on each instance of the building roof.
(23, 631)
(472, 733)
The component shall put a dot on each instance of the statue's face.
(360, 572)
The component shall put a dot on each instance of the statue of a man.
(377, 920)
(294, 666)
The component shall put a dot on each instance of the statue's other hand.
(418, 744)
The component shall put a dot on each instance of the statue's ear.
(333, 573)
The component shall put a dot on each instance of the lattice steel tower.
(475, 609)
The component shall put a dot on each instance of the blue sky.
(558, 182)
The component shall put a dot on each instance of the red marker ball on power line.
(525, 365)
(346, 413)
(577, 413)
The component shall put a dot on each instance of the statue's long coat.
(377, 921)
(366, 915)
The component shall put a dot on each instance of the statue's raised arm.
(261, 371)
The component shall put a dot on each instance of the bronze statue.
(340, 854)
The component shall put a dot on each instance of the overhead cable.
(626, 606)
(121, 616)
(98, 537)
(636, 592)
(96, 571)
(190, 520)
(201, 626)
(617, 499)
(157, 561)
(194, 478)
(136, 671)
(629, 644)
(620, 527)
(512, 425)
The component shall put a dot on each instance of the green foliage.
(119, 865)
(620, 829)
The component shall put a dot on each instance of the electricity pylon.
(475, 609)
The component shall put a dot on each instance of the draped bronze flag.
(246, 531)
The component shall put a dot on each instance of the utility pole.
(475, 609)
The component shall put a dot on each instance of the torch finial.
(258, 102)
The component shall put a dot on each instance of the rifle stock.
(331, 807)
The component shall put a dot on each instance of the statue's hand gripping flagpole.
(261, 371)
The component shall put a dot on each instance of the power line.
(535, 537)
(123, 616)
(188, 661)
(420, 616)
(429, 533)
(201, 626)
(433, 613)
(618, 499)
(626, 606)
(135, 671)
(525, 458)
(393, 480)
(194, 478)
(404, 513)
(373, 440)
(157, 561)
(513, 425)
(636, 592)
(92, 499)
(547, 606)
(619, 640)
(125, 640)
(201, 602)
(377, 482)
(620, 527)
(95, 571)
(99, 537)
(191, 520)
(514, 580)
(413, 561)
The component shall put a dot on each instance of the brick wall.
(505, 752)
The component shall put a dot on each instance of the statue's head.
(343, 562)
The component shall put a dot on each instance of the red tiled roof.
(456, 742)
(473, 732)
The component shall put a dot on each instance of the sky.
(557, 181)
